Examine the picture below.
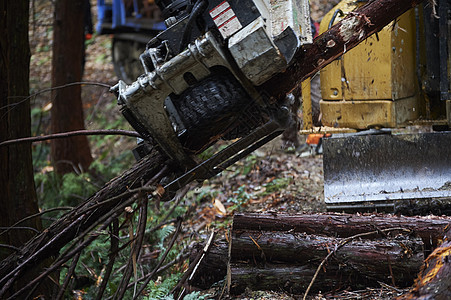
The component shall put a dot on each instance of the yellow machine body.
(375, 83)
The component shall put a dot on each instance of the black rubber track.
(209, 108)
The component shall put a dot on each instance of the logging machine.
(201, 78)
(393, 90)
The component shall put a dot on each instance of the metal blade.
(376, 170)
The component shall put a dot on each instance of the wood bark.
(357, 264)
(70, 154)
(101, 207)
(430, 229)
(18, 197)
(282, 252)
(434, 282)
(342, 37)
(295, 279)
(213, 267)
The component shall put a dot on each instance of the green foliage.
(110, 166)
(163, 233)
(196, 296)
(101, 58)
(91, 41)
(277, 184)
(249, 164)
(239, 199)
(76, 187)
(161, 290)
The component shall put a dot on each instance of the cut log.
(293, 279)
(289, 263)
(434, 280)
(214, 265)
(279, 251)
(430, 229)
(342, 37)
(357, 263)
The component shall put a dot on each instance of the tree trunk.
(71, 154)
(18, 197)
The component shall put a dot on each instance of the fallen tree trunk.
(283, 252)
(356, 264)
(430, 229)
(295, 279)
(99, 209)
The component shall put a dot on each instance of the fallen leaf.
(220, 207)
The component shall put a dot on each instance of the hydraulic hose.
(198, 8)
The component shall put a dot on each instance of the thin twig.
(34, 216)
(384, 285)
(20, 228)
(126, 193)
(17, 270)
(154, 271)
(63, 135)
(68, 276)
(141, 231)
(9, 247)
(65, 258)
(55, 88)
(112, 258)
(193, 267)
(161, 224)
(117, 210)
(181, 257)
(121, 206)
(341, 244)
(178, 197)
(391, 271)
(131, 265)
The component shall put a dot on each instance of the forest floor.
(270, 179)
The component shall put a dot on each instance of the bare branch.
(112, 257)
(55, 88)
(20, 228)
(171, 243)
(9, 247)
(34, 216)
(70, 134)
(136, 247)
(68, 276)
